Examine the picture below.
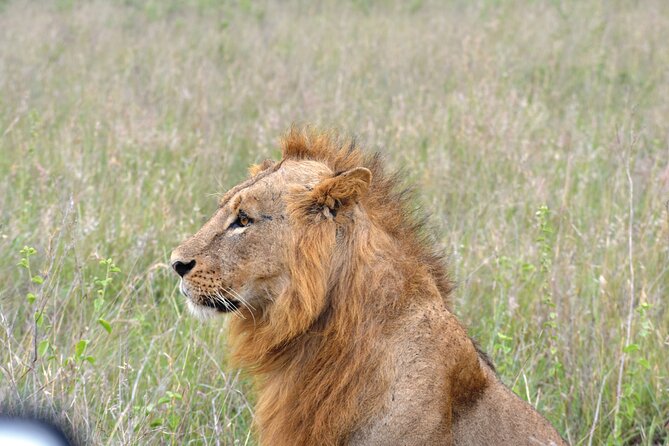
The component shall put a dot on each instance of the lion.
(344, 317)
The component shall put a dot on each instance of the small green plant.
(634, 389)
(102, 285)
(503, 349)
(27, 252)
(167, 415)
(546, 241)
(36, 281)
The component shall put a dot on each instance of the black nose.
(182, 268)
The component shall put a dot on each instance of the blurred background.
(535, 133)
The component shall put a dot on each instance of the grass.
(536, 133)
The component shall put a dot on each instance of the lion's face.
(237, 260)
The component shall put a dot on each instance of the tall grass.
(536, 133)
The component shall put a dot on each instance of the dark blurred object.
(29, 432)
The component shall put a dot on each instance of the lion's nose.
(182, 268)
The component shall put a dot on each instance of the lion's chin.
(200, 311)
(207, 306)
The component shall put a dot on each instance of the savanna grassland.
(536, 133)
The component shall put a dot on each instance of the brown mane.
(388, 203)
(319, 349)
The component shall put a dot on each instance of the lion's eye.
(242, 221)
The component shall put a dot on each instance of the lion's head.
(240, 260)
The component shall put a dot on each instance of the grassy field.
(536, 132)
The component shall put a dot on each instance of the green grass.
(535, 132)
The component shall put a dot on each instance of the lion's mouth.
(221, 304)
(217, 302)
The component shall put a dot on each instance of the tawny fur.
(350, 334)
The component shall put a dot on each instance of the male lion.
(343, 309)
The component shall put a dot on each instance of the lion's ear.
(343, 189)
(255, 169)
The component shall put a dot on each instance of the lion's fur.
(360, 346)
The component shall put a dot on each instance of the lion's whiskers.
(220, 298)
(242, 301)
(239, 297)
